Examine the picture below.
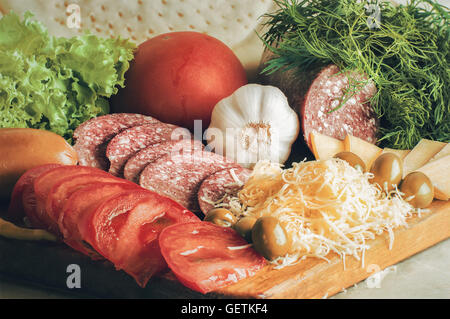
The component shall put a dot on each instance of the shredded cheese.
(237, 181)
(229, 200)
(326, 206)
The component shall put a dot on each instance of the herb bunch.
(406, 55)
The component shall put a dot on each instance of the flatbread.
(232, 21)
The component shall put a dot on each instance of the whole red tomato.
(179, 77)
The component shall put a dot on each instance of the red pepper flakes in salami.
(136, 164)
(180, 176)
(92, 137)
(127, 143)
(221, 186)
(355, 117)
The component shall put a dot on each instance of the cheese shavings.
(325, 206)
(229, 200)
(237, 182)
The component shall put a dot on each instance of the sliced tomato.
(24, 188)
(61, 191)
(43, 185)
(125, 230)
(101, 224)
(79, 203)
(138, 251)
(205, 257)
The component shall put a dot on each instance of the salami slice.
(127, 143)
(355, 116)
(92, 137)
(316, 95)
(125, 230)
(136, 164)
(179, 177)
(221, 186)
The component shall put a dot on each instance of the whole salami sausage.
(180, 176)
(128, 142)
(329, 101)
(92, 137)
(221, 186)
(136, 164)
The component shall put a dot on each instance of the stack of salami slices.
(160, 157)
(107, 217)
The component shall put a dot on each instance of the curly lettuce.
(56, 83)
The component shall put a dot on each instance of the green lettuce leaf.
(56, 83)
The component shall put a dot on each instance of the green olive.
(353, 159)
(244, 227)
(417, 184)
(270, 238)
(387, 170)
(220, 216)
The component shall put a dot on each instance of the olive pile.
(387, 172)
(266, 233)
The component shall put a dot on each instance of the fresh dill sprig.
(406, 55)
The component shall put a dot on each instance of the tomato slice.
(125, 230)
(205, 257)
(43, 185)
(20, 207)
(79, 203)
(138, 251)
(61, 191)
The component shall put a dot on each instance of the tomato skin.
(17, 210)
(179, 77)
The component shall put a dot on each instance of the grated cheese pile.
(326, 206)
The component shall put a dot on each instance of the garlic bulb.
(254, 123)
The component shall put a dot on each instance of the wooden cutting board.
(46, 264)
